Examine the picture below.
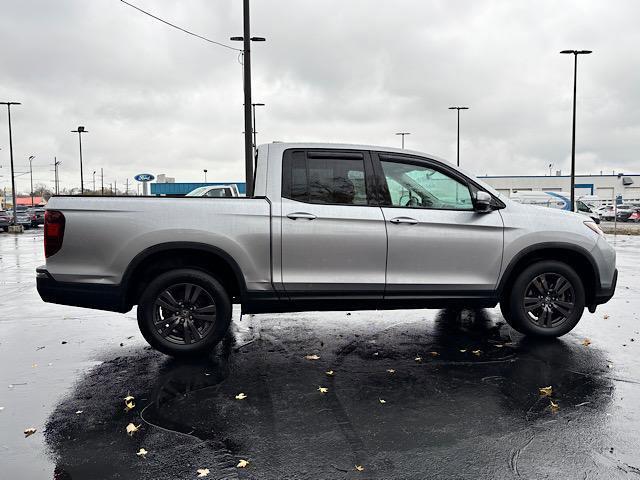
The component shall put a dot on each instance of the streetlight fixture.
(575, 54)
(403, 134)
(246, 51)
(13, 179)
(80, 130)
(458, 144)
(56, 178)
(31, 176)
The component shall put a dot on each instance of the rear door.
(334, 241)
(438, 244)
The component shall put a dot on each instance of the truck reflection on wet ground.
(454, 398)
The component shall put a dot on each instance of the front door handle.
(305, 215)
(406, 220)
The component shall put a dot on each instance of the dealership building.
(600, 188)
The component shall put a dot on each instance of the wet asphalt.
(468, 408)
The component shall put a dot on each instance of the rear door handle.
(305, 215)
(406, 220)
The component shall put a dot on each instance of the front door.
(438, 244)
(334, 241)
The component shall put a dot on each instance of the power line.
(181, 29)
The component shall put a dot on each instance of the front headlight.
(594, 227)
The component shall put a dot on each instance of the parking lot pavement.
(622, 228)
(413, 394)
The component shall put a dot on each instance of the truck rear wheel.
(547, 300)
(184, 313)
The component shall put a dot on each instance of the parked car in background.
(606, 212)
(559, 200)
(635, 216)
(5, 220)
(218, 191)
(327, 227)
(22, 218)
(37, 216)
(624, 211)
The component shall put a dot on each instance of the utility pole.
(80, 131)
(458, 147)
(403, 135)
(101, 181)
(13, 180)
(126, 189)
(31, 177)
(248, 140)
(253, 106)
(575, 54)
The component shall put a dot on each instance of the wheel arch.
(167, 256)
(575, 256)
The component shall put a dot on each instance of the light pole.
(246, 51)
(575, 54)
(56, 178)
(458, 147)
(13, 180)
(101, 181)
(403, 134)
(205, 175)
(31, 177)
(550, 167)
(80, 131)
(94, 182)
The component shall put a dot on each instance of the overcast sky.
(159, 101)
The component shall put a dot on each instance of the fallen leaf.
(434, 354)
(375, 354)
(79, 412)
(586, 342)
(312, 357)
(554, 406)
(418, 359)
(203, 472)
(242, 464)
(34, 365)
(605, 317)
(331, 373)
(129, 398)
(391, 370)
(142, 453)
(499, 346)
(241, 396)
(323, 389)
(546, 391)
(464, 350)
(360, 468)
(29, 431)
(477, 352)
(129, 406)
(382, 401)
(131, 429)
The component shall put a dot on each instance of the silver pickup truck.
(328, 227)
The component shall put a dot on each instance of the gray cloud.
(157, 100)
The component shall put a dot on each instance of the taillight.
(53, 232)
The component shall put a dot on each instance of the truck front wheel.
(184, 313)
(547, 299)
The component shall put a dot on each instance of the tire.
(506, 314)
(556, 299)
(181, 305)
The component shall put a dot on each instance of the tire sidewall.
(162, 282)
(516, 301)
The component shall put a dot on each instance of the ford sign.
(144, 177)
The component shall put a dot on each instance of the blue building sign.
(180, 189)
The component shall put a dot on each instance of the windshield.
(198, 192)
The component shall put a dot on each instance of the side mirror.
(482, 202)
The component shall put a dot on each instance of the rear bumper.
(603, 295)
(87, 295)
